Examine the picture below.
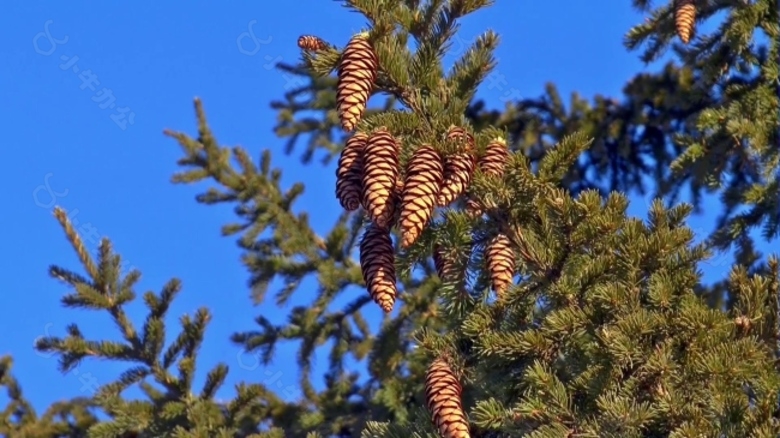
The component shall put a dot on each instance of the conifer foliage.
(598, 323)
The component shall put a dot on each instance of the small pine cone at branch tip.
(501, 263)
(494, 160)
(685, 19)
(422, 183)
(312, 43)
(349, 172)
(458, 167)
(357, 72)
(380, 177)
(443, 399)
(377, 262)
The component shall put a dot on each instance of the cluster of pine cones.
(369, 175)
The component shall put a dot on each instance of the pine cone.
(312, 43)
(501, 263)
(458, 168)
(377, 261)
(442, 396)
(349, 172)
(494, 161)
(357, 73)
(684, 18)
(424, 176)
(380, 177)
(445, 266)
(472, 208)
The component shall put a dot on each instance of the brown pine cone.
(380, 177)
(349, 172)
(377, 261)
(442, 397)
(356, 75)
(312, 43)
(424, 176)
(501, 263)
(445, 265)
(472, 208)
(458, 134)
(685, 19)
(458, 168)
(494, 160)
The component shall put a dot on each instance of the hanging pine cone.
(357, 73)
(380, 177)
(472, 208)
(444, 264)
(442, 396)
(377, 261)
(311, 43)
(684, 18)
(458, 168)
(349, 172)
(441, 263)
(494, 160)
(501, 263)
(424, 176)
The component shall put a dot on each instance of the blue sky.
(154, 58)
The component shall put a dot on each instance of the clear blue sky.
(155, 59)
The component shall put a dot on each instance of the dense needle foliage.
(608, 330)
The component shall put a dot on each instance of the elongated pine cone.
(349, 172)
(501, 263)
(424, 176)
(377, 261)
(445, 266)
(494, 160)
(380, 177)
(356, 75)
(458, 168)
(311, 43)
(685, 18)
(442, 397)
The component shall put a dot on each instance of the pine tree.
(598, 324)
(673, 119)
(164, 374)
